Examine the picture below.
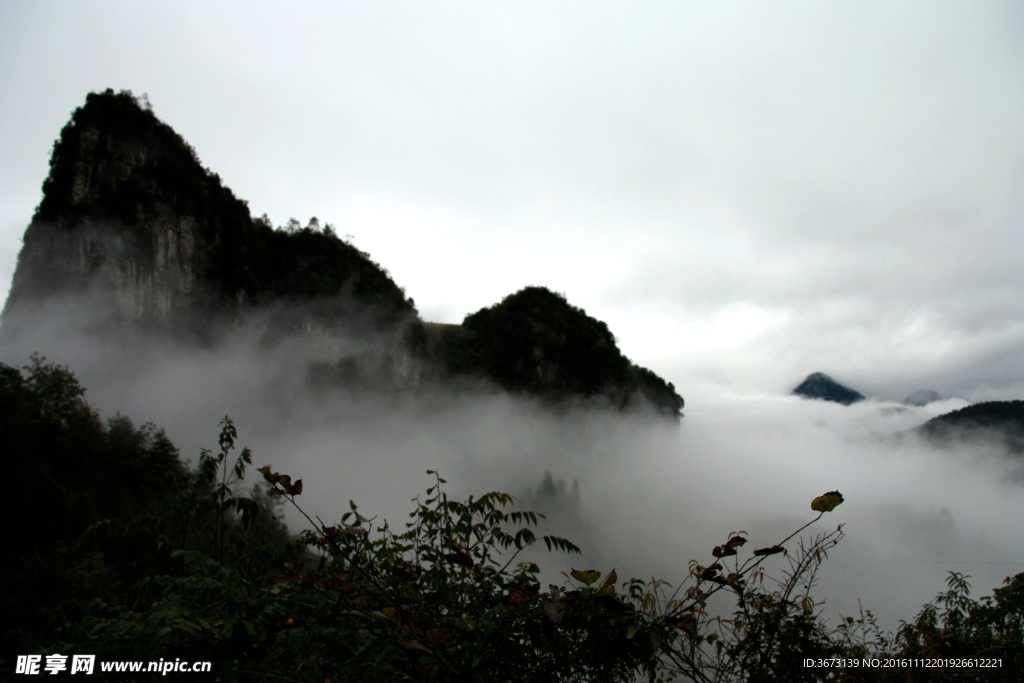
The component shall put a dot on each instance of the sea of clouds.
(652, 493)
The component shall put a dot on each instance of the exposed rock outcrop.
(134, 234)
(132, 226)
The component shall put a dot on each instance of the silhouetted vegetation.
(100, 507)
(536, 342)
(124, 552)
(988, 414)
(999, 420)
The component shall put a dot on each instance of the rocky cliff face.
(107, 224)
(133, 227)
(134, 234)
(149, 274)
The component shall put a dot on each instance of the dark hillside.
(536, 342)
(1001, 420)
(99, 506)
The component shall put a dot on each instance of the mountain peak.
(922, 397)
(133, 232)
(128, 210)
(818, 385)
(534, 341)
(116, 160)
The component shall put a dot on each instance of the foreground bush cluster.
(124, 552)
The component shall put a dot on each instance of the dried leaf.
(774, 550)
(609, 583)
(586, 576)
(438, 636)
(272, 477)
(827, 502)
(735, 542)
(555, 610)
(523, 595)
(414, 645)
(734, 580)
(711, 571)
(686, 622)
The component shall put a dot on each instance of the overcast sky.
(745, 192)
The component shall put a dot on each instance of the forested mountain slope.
(134, 233)
(999, 420)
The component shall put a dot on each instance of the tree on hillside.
(100, 506)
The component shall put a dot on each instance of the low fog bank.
(652, 494)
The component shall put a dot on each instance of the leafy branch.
(214, 469)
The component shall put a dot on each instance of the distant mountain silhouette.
(921, 397)
(133, 231)
(820, 386)
(1002, 421)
